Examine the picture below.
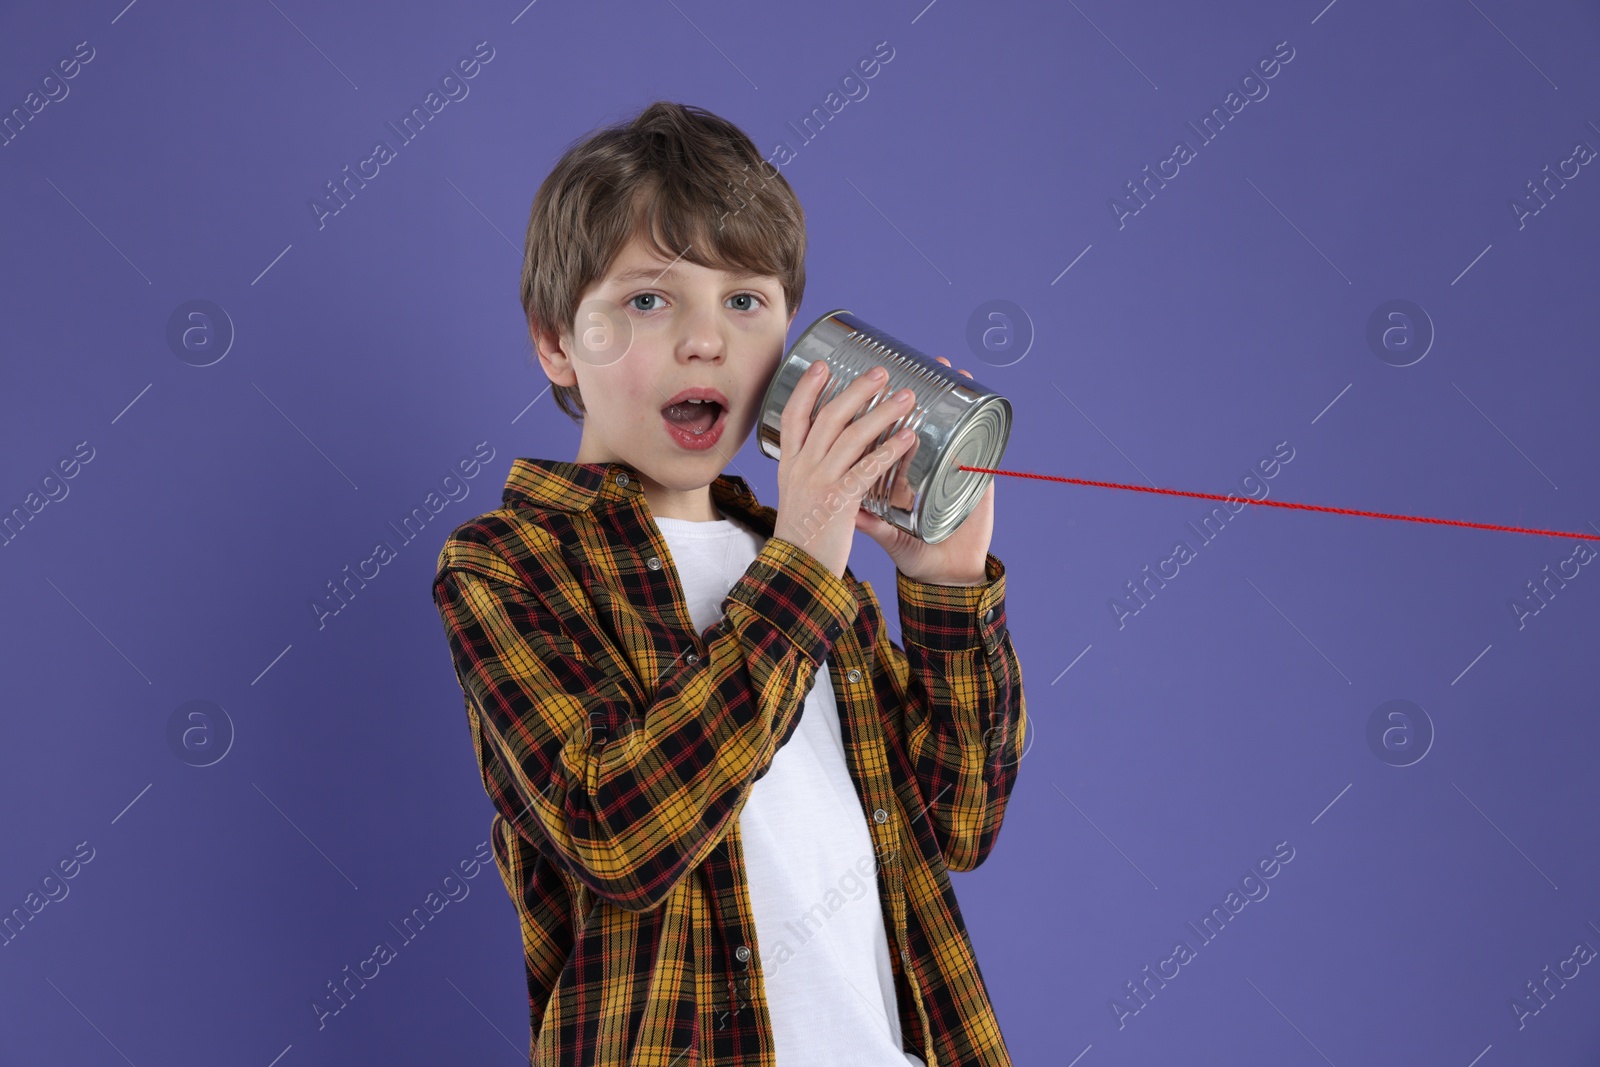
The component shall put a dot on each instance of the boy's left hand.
(957, 560)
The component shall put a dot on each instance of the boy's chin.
(685, 470)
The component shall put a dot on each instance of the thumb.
(871, 525)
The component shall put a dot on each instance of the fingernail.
(816, 368)
(877, 373)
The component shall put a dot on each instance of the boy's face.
(692, 328)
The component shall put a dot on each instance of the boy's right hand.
(822, 472)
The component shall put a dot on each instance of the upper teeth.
(696, 401)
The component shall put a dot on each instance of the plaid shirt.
(619, 746)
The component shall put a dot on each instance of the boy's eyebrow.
(651, 274)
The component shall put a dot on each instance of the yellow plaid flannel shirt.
(619, 746)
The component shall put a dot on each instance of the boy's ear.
(553, 356)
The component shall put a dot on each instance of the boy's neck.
(691, 505)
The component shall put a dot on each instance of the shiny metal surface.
(958, 421)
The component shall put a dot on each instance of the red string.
(1280, 503)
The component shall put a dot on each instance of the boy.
(725, 802)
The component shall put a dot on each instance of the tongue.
(696, 418)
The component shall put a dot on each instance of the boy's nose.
(702, 338)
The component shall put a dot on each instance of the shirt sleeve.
(629, 794)
(964, 718)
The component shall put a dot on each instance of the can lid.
(952, 493)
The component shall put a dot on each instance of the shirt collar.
(576, 487)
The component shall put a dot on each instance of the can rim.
(978, 483)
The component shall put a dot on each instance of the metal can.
(957, 420)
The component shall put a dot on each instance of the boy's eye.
(753, 301)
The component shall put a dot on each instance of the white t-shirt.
(808, 854)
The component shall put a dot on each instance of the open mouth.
(695, 417)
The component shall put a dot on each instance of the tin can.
(957, 420)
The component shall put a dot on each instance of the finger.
(867, 431)
(901, 495)
(840, 411)
(795, 422)
(861, 435)
(873, 527)
(872, 466)
(946, 362)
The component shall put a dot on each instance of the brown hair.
(682, 177)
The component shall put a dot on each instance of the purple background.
(1228, 315)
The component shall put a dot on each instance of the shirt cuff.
(790, 588)
(954, 618)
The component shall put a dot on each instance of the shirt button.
(988, 616)
(622, 480)
(854, 675)
(692, 658)
(880, 816)
(742, 952)
(653, 563)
